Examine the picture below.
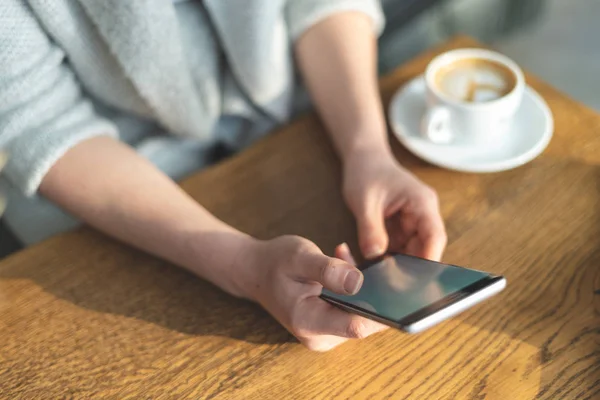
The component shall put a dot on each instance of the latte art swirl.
(475, 80)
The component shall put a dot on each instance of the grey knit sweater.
(74, 69)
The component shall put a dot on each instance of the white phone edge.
(455, 308)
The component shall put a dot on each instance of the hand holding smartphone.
(413, 294)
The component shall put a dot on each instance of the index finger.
(432, 234)
(326, 319)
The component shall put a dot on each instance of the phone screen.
(400, 285)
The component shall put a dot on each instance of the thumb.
(334, 274)
(372, 235)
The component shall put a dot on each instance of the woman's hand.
(286, 276)
(394, 210)
(338, 59)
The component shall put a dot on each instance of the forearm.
(337, 58)
(110, 187)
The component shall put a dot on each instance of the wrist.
(244, 270)
(358, 155)
(220, 257)
(365, 143)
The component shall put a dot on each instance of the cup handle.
(435, 125)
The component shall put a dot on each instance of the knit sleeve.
(43, 112)
(302, 14)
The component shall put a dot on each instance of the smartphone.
(413, 294)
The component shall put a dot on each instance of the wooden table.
(82, 316)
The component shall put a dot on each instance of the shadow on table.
(122, 281)
(550, 317)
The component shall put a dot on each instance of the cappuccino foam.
(475, 80)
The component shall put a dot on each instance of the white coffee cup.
(454, 113)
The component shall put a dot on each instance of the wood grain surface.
(83, 317)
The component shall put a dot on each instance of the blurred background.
(558, 40)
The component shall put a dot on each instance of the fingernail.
(345, 248)
(374, 251)
(353, 282)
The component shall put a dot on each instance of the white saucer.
(529, 136)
